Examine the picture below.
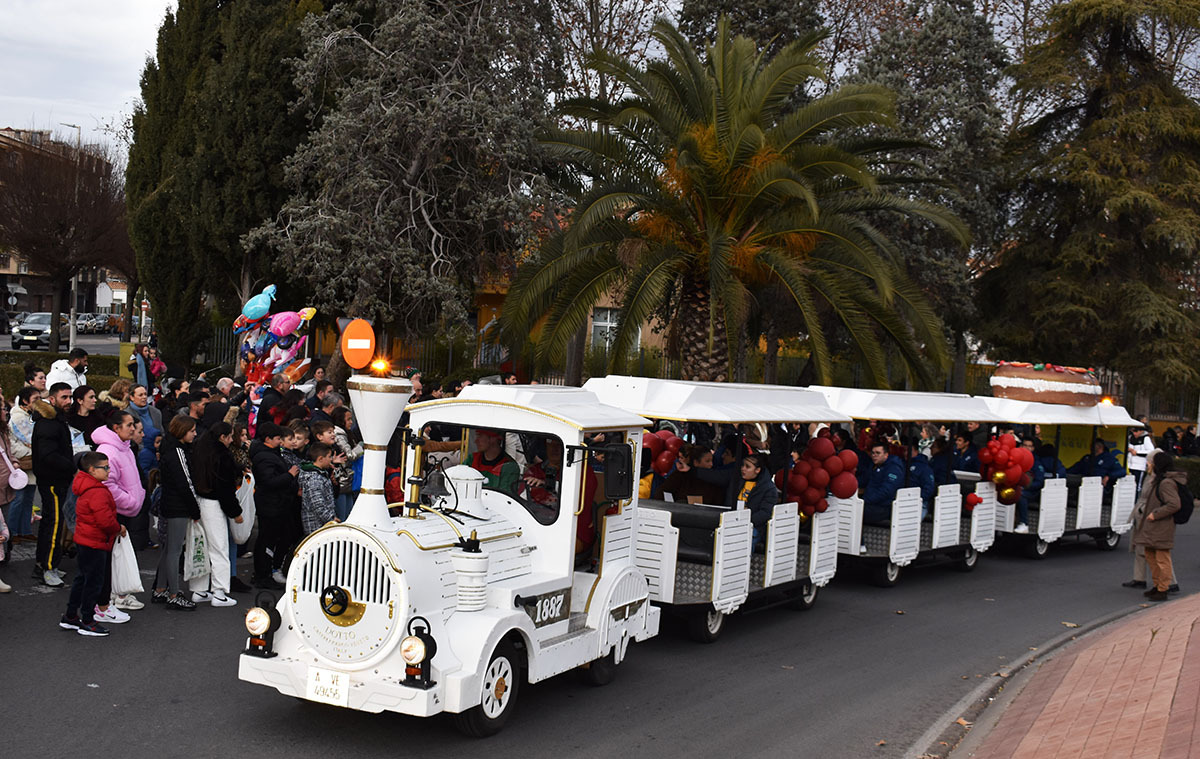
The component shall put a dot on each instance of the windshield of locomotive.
(526, 466)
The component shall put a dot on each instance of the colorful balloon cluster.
(821, 470)
(1006, 465)
(664, 448)
(271, 342)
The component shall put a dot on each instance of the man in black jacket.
(275, 492)
(272, 396)
(54, 466)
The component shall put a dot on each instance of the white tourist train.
(481, 582)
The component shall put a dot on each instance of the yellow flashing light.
(380, 367)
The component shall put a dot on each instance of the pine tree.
(947, 100)
(1108, 216)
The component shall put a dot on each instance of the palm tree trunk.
(771, 359)
(703, 344)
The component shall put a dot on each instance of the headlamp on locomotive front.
(417, 649)
(261, 622)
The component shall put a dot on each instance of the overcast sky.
(74, 61)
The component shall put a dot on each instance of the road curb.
(946, 735)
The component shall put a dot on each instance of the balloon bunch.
(821, 470)
(664, 448)
(1006, 465)
(271, 342)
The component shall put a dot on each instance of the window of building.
(22, 267)
(5, 261)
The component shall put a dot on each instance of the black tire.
(806, 597)
(706, 625)
(500, 684)
(1108, 540)
(968, 560)
(885, 574)
(602, 671)
(1037, 548)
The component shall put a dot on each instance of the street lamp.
(74, 278)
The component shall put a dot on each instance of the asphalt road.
(831, 682)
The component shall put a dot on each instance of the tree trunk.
(56, 304)
(703, 344)
(771, 359)
(958, 373)
(573, 371)
(131, 302)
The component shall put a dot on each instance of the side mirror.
(618, 472)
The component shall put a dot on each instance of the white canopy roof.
(906, 406)
(729, 403)
(1031, 412)
(571, 405)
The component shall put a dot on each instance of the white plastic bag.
(195, 554)
(125, 575)
(245, 496)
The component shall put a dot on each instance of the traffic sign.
(358, 343)
(12, 300)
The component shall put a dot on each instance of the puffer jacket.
(20, 428)
(95, 513)
(124, 480)
(1162, 502)
(53, 456)
(178, 495)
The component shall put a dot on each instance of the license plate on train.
(328, 686)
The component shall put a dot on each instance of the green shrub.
(106, 365)
(12, 377)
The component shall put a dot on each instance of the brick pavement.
(1129, 692)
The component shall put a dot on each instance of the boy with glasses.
(96, 528)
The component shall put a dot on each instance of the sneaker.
(237, 586)
(278, 577)
(128, 602)
(69, 623)
(92, 629)
(200, 596)
(220, 599)
(1170, 589)
(5, 587)
(1134, 584)
(49, 577)
(1157, 596)
(159, 597)
(59, 572)
(267, 583)
(179, 603)
(1021, 529)
(112, 615)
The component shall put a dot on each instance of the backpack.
(1186, 503)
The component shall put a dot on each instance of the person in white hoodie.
(124, 481)
(1141, 445)
(72, 370)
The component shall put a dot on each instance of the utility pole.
(74, 277)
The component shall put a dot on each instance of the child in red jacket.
(96, 528)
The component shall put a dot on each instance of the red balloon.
(1025, 480)
(797, 483)
(663, 463)
(849, 460)
(1008, 441)
(1013, 474)
(811, 496)
(974, 499)
(994, 445)
(1001, 458)
(674, 444)
(654, 443)
(802, 467)
(985, 456)
(821, 448)
(808, 510)
(819, 478)
(845, 485)
(821, 506)
(665, 434)
(1023, 458)
(833, 465)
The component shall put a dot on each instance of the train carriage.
(907, 537)
(698, 556)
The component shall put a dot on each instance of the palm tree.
(707, 187)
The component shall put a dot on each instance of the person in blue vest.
(1052, 468)
(1031, 493)
(1101, 462)
(920, 475)
(966, 456)
(885, 477)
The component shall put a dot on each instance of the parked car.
(83, 324)
(34, 332)
(98, 324)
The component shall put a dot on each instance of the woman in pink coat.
(124, 480)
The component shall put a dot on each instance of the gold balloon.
(999, 477)
(1008, 496)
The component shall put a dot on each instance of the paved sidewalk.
(1131, 691)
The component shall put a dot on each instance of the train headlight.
(417, 649)
(258, 621)
(261, 622)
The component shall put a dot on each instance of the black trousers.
(273, 532)
(50, 529)
(89, 585)
(138, 527)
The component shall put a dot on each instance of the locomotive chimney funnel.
(378, 404)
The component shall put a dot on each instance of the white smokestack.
(378, 405)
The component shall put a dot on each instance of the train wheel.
(498, 697)
(968, 560)
(600, 671)
(706, 625)
(886, 574)
(806, 598)
(1108, 540)
(1037, 548)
